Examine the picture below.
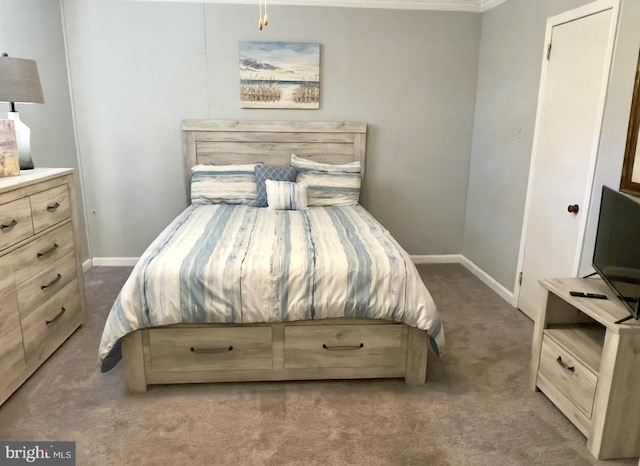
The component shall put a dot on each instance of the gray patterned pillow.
(264, 173)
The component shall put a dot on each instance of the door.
(571, 105)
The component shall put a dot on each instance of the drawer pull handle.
(13, 223)
(53, 282)
(343, 348)
(53, 207)
(48, 251)
(211, 350)
(565, 365)
(54, 320)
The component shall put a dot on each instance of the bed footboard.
(307, 350)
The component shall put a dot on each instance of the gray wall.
(508, 79)
(139, 68)
(33, 29)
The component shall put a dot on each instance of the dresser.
(42, 298)
(588, 364)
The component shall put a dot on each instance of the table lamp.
(20, 82)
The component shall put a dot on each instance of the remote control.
(582, 294)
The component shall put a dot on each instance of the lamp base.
(23, 139)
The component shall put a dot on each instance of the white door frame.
(572, 15)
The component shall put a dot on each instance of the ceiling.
(448, 5)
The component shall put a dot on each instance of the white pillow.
(286, 195)
(224, 184)
(329, 184)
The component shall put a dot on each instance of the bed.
(230, 293)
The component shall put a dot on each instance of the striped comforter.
(241, 264)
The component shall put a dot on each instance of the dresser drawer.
(198, 349)
(11, 352)
(568, 374)
(15, 222)
(41, 253)
(50, 207)
(47, 326)
(344, 346)
(47, 283)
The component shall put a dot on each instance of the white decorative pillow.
(224, 184)
(329, 184)
(286, 195)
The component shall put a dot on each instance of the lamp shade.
(19, 81)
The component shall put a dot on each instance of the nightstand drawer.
(568, 374)
(47, 326)
(15, 222)
(344, 346)
(50, 207)
(41, 253)
(11, 353)
(43, 286)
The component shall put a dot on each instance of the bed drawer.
(46, 327)
(50, 207)
(344, 346)
(229, 348)
(568, 374)
(15, 222)
(39, 254)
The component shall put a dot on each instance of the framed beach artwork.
(279, 75)
(9, 160)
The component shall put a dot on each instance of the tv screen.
(616, 257)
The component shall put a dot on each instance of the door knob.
(573, 208)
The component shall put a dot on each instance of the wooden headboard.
(272, 142)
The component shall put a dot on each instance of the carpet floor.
(476, 408)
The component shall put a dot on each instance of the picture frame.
(9, 160)
(630, 180)
(282, 75)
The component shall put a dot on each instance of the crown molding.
(488, 4)
(476, 6)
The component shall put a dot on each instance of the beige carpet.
(476, 408)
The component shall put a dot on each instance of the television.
(616, 256)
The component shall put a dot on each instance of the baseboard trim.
(114, 261)
(437, 259)
(471, 267)
(489, 281)
(86, 265)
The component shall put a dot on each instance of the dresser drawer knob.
(211, 350)
(13, 223)
(55, 319)
(565, 365)
(343, 348)
(53, 207)
(51, 283)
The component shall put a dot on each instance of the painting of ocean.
(279, 75)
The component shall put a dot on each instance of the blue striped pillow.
(224, 184)
(329, 184)
(285, 195)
